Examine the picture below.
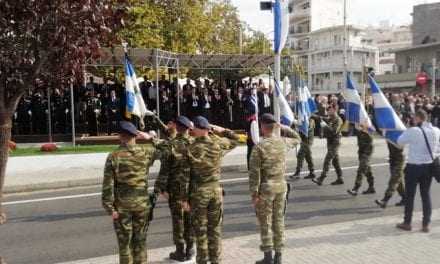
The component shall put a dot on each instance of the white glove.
(323, 124)
(149, 113)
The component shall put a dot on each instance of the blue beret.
(201, 122)
(184, 121)
(267, 119)
(128, 128)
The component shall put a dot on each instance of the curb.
(85, 182)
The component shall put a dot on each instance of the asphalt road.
(66, 225)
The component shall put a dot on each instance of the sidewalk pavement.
(63, 171)
(372, 241)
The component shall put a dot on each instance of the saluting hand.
(218, 129)
(143, 135)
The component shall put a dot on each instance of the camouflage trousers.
(305, 152)
(270, 214)
(131, 231)
(182, 229)
(396, 179)
(207, 218)
(332, 156)
(364, 170)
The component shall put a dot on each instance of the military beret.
(267, 119)
(128, 128)
(184, 121)
(201, 122)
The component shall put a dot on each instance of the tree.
(45, 43)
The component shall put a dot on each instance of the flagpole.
(277, 73)
(345, 46)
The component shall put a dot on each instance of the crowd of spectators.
(98, 107)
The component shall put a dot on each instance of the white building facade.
(326, 58)
(308, 16)
(388, 39)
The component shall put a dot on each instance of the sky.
(360, 12)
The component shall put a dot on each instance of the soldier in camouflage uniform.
(206, 193)
(332, 131)
(365, 150)
(397, 163)
(125, 193)
(174, 170)
(268, 186)
(305, 152)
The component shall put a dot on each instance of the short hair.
(422, 115)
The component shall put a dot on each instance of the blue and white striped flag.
(312, 104)
(135, 104)
(354, 108)
(306, 107)
(286, 115)
(385, 116)
(281, 17)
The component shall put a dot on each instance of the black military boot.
(319, 181)
(179, 254)
(339, 181)
(370, 190)
(310, 176)
(296, 175)
(268, 259)
(383, 203)
(277, 259)
(190, 252)
(354, 191)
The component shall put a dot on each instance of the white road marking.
(68, 197)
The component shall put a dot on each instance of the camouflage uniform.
(333, 134)
(266, 179)
(206, 193)
(305, 151)
(125, 190)
(365, 150)
(397, 162)
(174, 171)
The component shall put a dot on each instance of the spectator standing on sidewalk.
(268, 185)
(421, 139)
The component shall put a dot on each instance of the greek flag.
(281, 16)
(254, 129)
(386, 118)
(306, 107)
(135, 104)
(286, 115)
(312, 104)
(354, 108)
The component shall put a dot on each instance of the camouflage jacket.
(396, 154)
(125, 184)
(311, 133)
(333, 129)
(267, 164)
(365, 143)
(205, 155)
(175, 165)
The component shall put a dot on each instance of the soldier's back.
(205, 155)
(131, 165)
(273, 153)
